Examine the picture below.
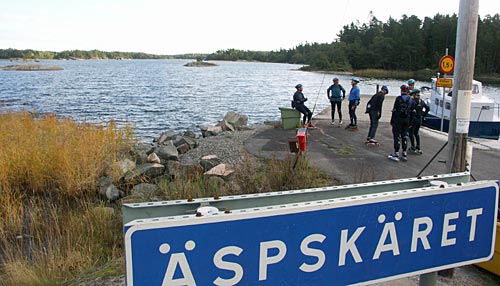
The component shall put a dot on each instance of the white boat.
(484, 113)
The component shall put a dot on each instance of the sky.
(171, 27)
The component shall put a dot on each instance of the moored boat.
(484, 113)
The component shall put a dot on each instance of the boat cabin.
(483, 108)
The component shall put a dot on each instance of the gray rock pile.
(176, 156)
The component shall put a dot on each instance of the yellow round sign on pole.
(447, 64)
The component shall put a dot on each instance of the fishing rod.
(316, 101)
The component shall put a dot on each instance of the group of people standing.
(336, 94)
(406, 119)
(407, 116)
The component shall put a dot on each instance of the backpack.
(405, 107)
(419, 108)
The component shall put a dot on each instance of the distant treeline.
(74, 54)
(407, 44)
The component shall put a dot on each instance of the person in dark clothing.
(418, 110)
(400, 120)
(374, 110)
(299, 99)
(411, 86)
(336, 97)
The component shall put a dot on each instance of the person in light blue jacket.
(353, 104)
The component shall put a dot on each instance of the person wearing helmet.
(400, 120)
(411, 84)
(374, 110)
(336, 97)
(418, 110)
(353, 104)
(299, 99)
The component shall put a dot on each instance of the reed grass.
(423, 75)
(51, 225)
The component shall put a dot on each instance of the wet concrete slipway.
(343, 155)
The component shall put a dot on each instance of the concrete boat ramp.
(343, 155)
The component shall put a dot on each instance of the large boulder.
(113, 193)
(183, 149)
(208, 131)
(234, 121)
(167, 151)
(118, 169)
(180, 140)
(221, 170)
(141, 151)
(107, 189)
(189, 134)
(209, 161)
(153, 158)
(144, 173)
(184, 144)
(165, 136)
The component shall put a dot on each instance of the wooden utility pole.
(463, 75)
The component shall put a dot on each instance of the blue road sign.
(354, 240)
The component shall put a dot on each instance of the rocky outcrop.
(173, 156)
(200, 64)
(30, 68)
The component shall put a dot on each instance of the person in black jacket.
(400, 120)
(298, 100)
(374, 110)
(418, 110)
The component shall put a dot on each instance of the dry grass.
(51, 226)
(423, 75)
(251, 176)
(56, 155)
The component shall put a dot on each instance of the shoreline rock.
(175, 156)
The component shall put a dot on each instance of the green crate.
(290, 118)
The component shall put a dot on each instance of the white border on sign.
(243, 214)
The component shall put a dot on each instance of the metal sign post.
(359, 239)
